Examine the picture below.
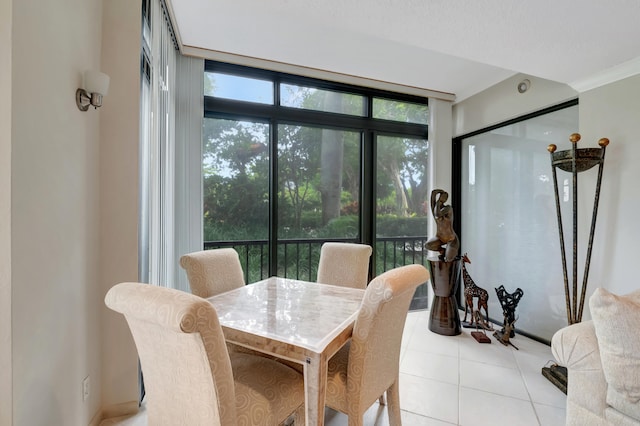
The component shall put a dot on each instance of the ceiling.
(460, 47)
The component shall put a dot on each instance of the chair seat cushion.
(267, 392)
(616, 319)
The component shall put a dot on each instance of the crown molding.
(611, 75)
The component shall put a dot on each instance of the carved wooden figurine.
(471, 290)
(446, 241)
(504, 336)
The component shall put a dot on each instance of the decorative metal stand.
(480, 336)
(575, 161)
(557, 375)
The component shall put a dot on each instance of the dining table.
(299, 321)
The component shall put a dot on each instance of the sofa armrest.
(576, 347)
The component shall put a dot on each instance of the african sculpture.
(445, 268)
(471, 290)
(509, 302)
(445, 241)
(504, 336)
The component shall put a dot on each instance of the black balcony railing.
(298, 258)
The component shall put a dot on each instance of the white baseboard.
(116, 410)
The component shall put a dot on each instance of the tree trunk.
(331, 174)
(331, 158)
(402, 205)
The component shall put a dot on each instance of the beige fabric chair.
(190, 379)
(344, 264)
(602, 357)
(216, 271)
(369, 365)
(212, 272)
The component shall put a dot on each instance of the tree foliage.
(318, 177)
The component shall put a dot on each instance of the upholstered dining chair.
(190, 378)
(344, 264)
(212, 272)
(368, 365)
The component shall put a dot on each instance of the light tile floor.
(453, 380)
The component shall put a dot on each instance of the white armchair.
(602, 357)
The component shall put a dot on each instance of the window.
(387, 109)
(239, 88)
(291, 162)
(311, 98)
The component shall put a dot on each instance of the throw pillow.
(616, 320)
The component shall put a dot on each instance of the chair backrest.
(374, 355)
(185, 364)
(344, 264)
(212, 272)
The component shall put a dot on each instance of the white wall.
(55, 213)
(440, 138)
(613, 112)
(610, 111)
(119, 139)
(6, 397)
(73, 208)
(503, 102)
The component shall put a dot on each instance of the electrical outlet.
(86, 388)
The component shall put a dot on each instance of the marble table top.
(305, 314)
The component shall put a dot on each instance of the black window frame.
(275, 114)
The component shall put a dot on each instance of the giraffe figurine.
(471, 290)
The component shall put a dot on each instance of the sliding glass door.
(508, 218)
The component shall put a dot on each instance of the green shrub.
(393, 226)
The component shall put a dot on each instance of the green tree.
(297, 171)
(235, 174)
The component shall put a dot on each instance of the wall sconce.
(96, 85)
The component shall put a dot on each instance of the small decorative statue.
(445, 241)
(509, 302)
(471, 290)
(445, 268)
(504, 336)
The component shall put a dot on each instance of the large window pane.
(311, 167)
(318, 193)
(508, 219)
(402, 206)
(238, 88)
(236, 189)
(322, 100)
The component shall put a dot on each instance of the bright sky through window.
(239, 88)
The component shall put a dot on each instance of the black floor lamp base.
(557, 375)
